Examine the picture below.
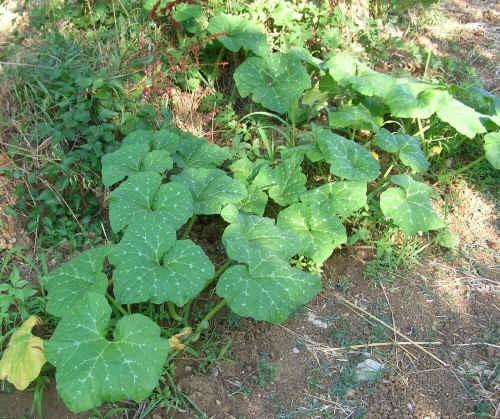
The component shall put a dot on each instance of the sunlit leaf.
(24, 357)
(90, 369)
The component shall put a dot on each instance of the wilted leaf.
(24, 357)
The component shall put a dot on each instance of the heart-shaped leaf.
(356, 117)
(409, 206)
(284, 182)
(239, 32)
(144, 194)
(91, 369)
(347, 159)
(340, 198)
(197, 152)
(267, 290)
(492, 148)
(276, 81)
(24, 358)
(71, 281)
(319, 232)
(212, 189)
(140, 152)
(250, 238)
(152, 265)
(407, 147)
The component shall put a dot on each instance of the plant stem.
(189, 227)
(219, 272)
(468, 166)
(206, 319)
(173, 313)
(115, 304)
(186, 311)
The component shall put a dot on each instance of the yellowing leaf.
(23, 359)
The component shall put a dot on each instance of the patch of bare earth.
(468, 30)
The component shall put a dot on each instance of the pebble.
(368, 369)
(295, 350)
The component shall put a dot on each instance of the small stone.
(218, 402)
(214, 372)
(188, 368)
(295, 350)
(368, 369)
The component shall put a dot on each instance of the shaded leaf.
(91, 369)
(267, 290)
(357, 117)
(240, 33)
(24, 357)
(319, 232)
(284, 182)
(251, 238)
(198, 152)
(211, 189)
(347, 159)
(407, 147)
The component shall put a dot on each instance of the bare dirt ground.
(439, 344)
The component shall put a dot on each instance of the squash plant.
(161, 181)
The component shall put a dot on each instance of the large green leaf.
(461, 117)
(141, 151)
(319, 232)
(245, 171)
(492, 148)
(276, 81)
(267, 290)
(250, 238)
(90, 369)
(197, 152)
(152, 265)
(341, 198)
(347, 159)
(407, 147)
(356, 117)
(409, 206)
(240, 32)
(211, 189)
(284, 182)
(407, 97)
(71, 281)
(144, 194)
